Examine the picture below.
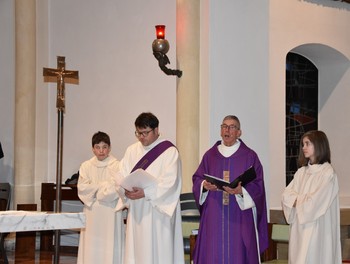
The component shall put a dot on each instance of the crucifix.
(61, 74)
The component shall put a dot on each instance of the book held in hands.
(139, 178)
(244, 178)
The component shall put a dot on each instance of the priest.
(233, 222)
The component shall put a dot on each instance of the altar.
(29, 221)
(19, 221)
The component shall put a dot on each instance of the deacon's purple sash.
(151, 155)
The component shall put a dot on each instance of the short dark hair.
(99, 137)
(147, 120)
(321, 145)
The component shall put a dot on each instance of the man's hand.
(237, 190)
(137, 193)
(209, 186)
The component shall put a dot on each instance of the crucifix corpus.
(61, 74)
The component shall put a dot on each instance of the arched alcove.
(332, 102)
(331, 63)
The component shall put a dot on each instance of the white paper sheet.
(139, 178)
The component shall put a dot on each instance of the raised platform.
(276, 216)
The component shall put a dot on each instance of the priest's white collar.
(227, 151)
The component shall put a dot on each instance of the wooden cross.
(60, 73)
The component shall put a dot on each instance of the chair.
(279, 235)
(190, 218)
(5, 197)
(189, 209)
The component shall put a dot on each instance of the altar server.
(102, 240)
(311, 205)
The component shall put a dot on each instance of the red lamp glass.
(160, 31)
(160, 47)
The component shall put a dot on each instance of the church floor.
(68, 255)
(47, 258)
(40, 258)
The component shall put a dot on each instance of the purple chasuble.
(226, 233)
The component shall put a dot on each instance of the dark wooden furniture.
(271, 251)
(5, 197)
(25, 241)
(48, 198)
(192, 244)
(190, 220)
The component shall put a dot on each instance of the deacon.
(153, 232)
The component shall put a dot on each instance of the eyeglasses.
(143, 133)
(231, 127)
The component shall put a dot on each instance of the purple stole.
(152, 155)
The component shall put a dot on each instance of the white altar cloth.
(17, 221)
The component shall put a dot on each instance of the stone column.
(24, 153)
(187, 50)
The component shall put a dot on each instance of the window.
(301, 106)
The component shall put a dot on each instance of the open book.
(139, 178)
(244, 178)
